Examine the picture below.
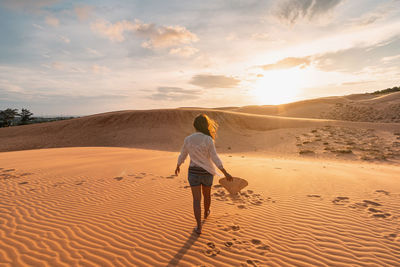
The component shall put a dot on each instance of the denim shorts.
(195, 179)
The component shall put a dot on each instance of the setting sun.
(278, 86)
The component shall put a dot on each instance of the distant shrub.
(7, 117)
(11, 117)
(305, 152)
(386, 91)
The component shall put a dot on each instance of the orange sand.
(99, 190)
(122, 207)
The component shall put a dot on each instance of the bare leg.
(196, 192)
(207, 199)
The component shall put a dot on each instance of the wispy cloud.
(156, 36)
(293, 10)
(52, 21)
(185, 51)
(391, 58)
(6, 85)
(214, 81)
(65, 39)
(287, 63)
(97, 69)
(174, 94)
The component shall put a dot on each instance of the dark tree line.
(10, 117)
(388, 90)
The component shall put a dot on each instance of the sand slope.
(122, 207)
(358, 107)
(239, 132)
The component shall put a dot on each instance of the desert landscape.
(99, 190)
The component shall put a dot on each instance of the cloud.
(6, 85)
(356, 83)
(97, 69)
(293, 10)
(214, 81)
(65, 39)
(381, 12)
(114, 32)
(185, 51)
(52, 21)
(391, 58)
(57, 66)
(174, 94)
(287, 63)
(157, 37)
(231, 37)
(37, 26)
(93, 52)
(167, 36)
(357, 59)
(260, 36)
(83, 12)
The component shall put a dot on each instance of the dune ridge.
(160, 129)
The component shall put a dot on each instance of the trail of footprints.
(237, 245)
(360, 144)
(375, 209)
(8, 174)
(242, 200)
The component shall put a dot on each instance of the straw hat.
(233, 186)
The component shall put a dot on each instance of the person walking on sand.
(201, 148)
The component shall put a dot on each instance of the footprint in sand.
(340, 200)
(373, 203)
(171, 176)
(391, 237)
(118, 178)
(79, 183)
(378, 213)
(371, 208)
(383, 192)
(314, 196)
(382, 215)
(259, 245)
(23, 183)
(251, 263)
(228, 244)
(212, 250)
(9, 170)
(234, 228)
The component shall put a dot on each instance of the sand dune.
(122, 207)
(321, 192)
(239, 132)
(358, 107)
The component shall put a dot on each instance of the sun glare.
(278, 86)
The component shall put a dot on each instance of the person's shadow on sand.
(188, 244)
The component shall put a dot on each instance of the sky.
(85, 57)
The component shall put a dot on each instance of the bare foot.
(206, 214)
(197, 230)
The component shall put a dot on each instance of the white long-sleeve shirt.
(201, 149)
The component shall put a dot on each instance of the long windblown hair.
(204, 124)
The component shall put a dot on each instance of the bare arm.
(218, 162)
(181, 158)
